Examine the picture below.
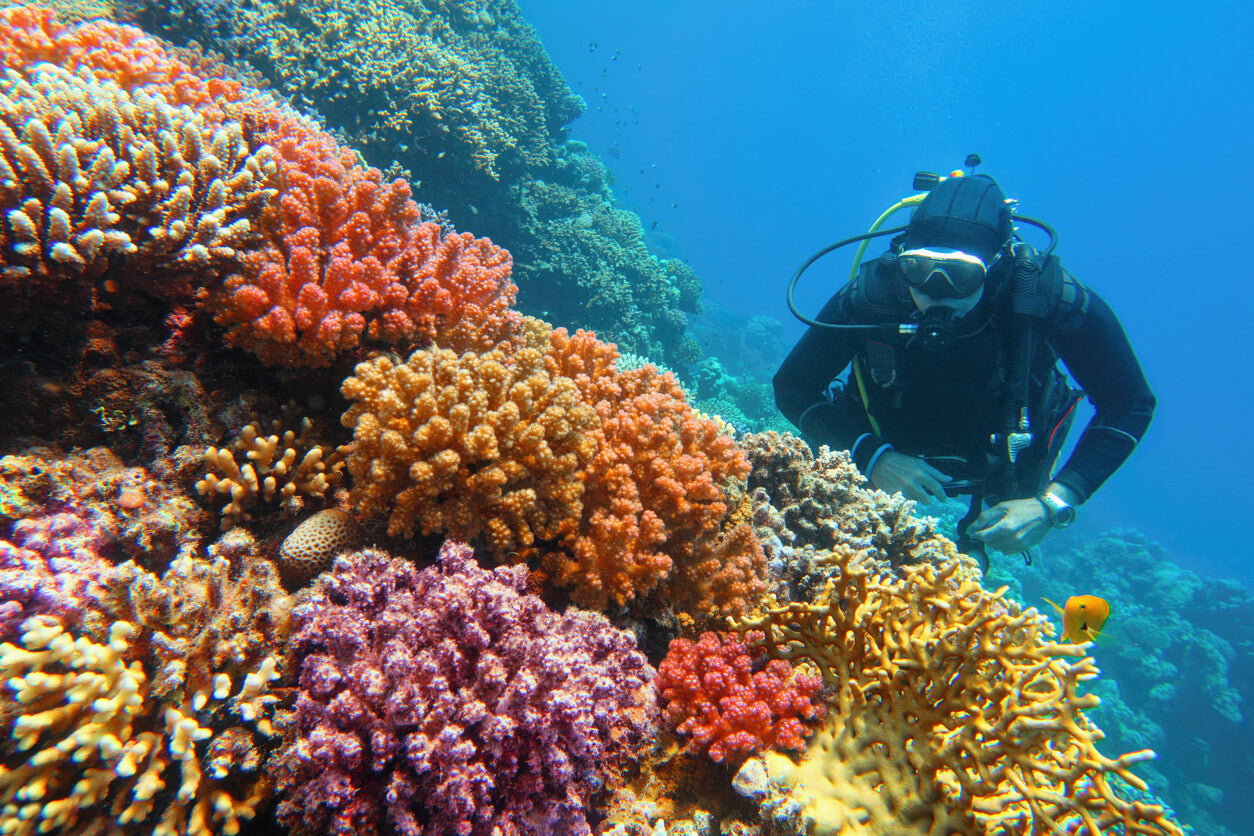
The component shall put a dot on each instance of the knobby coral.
(346, 259)
(447, 701)
(727, 707)
(470, 445)
(951, 711)
(656, 480)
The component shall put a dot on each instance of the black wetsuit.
(948, 403)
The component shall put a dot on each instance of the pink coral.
(53, 569)
(729, 710)
(447, 701)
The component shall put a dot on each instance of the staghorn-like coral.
(470, 445)
(950, 710)
(89, 170)
(157, 719)
(447, 701)
(274, 470)
(728, 707)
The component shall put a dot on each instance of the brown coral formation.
(314, 544)
(469, 445)
(276, 469)
(88, 169)
(156, 719)
(827, 504)
(950, 711)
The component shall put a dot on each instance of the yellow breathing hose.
(912, 200)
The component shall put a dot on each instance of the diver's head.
(956, 234)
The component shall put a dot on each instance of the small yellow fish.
(1083, 617)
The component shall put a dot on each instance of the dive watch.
(1061, 512)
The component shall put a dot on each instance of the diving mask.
(942, 272)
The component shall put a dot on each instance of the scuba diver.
(936, 367)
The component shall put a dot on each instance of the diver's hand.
(1012, 526)
(912, 477)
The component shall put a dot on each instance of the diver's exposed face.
(961, 307)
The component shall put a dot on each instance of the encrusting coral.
(826, 503)
(278, 470)
(445, 700)
(159, 718)
(950, 711)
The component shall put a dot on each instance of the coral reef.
(715, 695)
(117, 512)
(167, 688)
(43, 577)
(276, 469)
(828, 504)
(347, 259)
(447, 701)
(950, 710)
(463, 98)
(657, 478)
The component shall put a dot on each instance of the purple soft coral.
(448, 701)
(54, 568)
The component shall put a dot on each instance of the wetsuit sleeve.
(818, 357)
(1090, 340)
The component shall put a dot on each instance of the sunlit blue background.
(780, 127)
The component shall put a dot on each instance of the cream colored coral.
(469, 445)
(951, 711)
(149, 729)
(88, 169)
(273, 469)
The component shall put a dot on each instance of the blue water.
(755, 133)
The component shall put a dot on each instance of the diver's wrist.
(1058, 509)
(1065, 493)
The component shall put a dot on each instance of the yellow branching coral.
(469, 445)
(88, 169)
(950, 712)
(160, 726)
(279, 468)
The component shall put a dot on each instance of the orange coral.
(656, 478)
(469, 445)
